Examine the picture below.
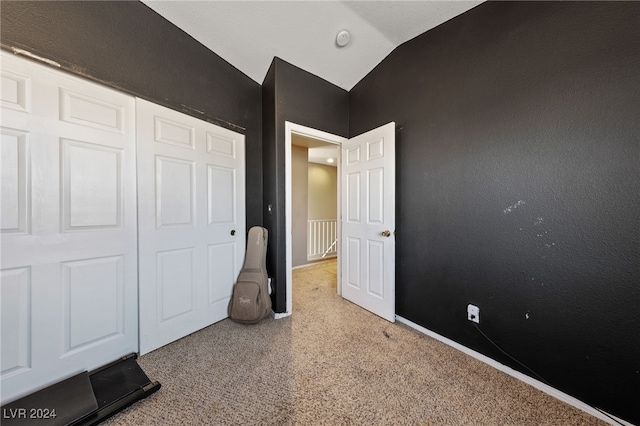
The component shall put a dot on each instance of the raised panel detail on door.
(92, 186)
(174, 133)
(69, 243)
(353, 155)
(375, 252)
(175, 192)
(16, 320)
(15, 175)
(375, 196)
(16, 91)
(93, 300)
(87, 111)
(191, 222)
(221, 190)
(353, 264)
(219, 145)
(375, 149)
(353, 197)
(221, 277)
(176, 294)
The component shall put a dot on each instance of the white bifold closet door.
(68, 213)
(191, 200)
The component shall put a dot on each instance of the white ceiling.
(326, 155)
(319, 151)
(249, 33)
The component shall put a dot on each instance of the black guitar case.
(250, 301)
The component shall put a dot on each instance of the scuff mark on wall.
(30, 55)
(513, 207)
(214, 120)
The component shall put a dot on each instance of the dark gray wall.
(128, 46)
(518, 185)
(291, 94)
(271, 182)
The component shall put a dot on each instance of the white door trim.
(290, 130)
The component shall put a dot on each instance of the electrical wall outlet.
(473, 313)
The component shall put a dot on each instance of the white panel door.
(368, 221)
(68, 213)
(191, 197)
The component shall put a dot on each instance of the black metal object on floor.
(84, 399)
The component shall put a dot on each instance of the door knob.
(233, 232)
(386, 233)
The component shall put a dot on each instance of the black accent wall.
(291, 94)
(126, 45)
(518, 182)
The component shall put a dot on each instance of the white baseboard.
(518, 375)
(281, 315)
(314, 263)
(306, 265)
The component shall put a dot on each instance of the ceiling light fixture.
(329, 160)
(343, 38)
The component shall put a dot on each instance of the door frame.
(290, 130)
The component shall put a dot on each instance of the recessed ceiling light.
(329, 160)
(343, 38)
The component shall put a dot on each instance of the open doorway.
(366, 223)
(314, 201)
(301, 136)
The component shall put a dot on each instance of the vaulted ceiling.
(248, 34)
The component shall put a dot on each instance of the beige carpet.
(332, 363)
